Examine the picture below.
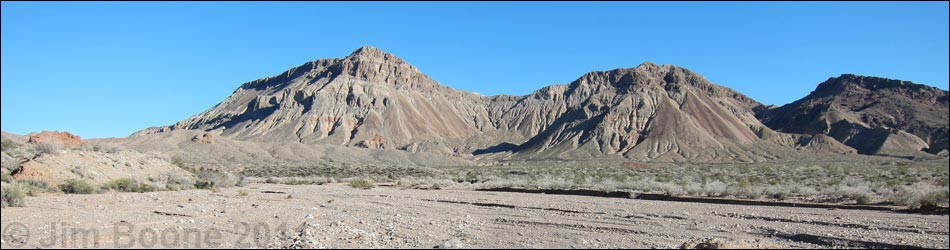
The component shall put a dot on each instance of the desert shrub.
(243, 193)
(863, 199)
(124, 185)
(609, 185)
(175, 181)
(210, 179)
(715, 189)
(921, 195)
(669, 188)
(778, 192)
(552, 182)
(426, 183)
(852, 188)
(362, 184)
(130, 186)
(7, 145)
(32, 187)
(303, 181)
(693, 188)
(12, 196)
(296, 181)
(747, 191)
(105, 148)
(47, 148)
(6, 177)
(81, 171)
(177, 161)
(76, 186)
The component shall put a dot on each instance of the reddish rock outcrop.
(65, 138)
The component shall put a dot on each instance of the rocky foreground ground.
(339, 216)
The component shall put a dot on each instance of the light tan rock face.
(62, 138)
(871, 114)
(372, 99)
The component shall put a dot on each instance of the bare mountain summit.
(373, 99)
(870, 114)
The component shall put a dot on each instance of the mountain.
(648, 112)
(368, 99)
(870, 114)
(371, 101)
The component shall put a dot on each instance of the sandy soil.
(338, 216)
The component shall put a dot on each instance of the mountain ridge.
(373, 99)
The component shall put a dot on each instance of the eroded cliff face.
(372, 99)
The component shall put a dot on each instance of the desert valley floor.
(339, 216)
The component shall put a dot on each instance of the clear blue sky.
(108, 69)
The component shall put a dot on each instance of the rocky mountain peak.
(371, 53)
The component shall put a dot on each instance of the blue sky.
(108, 69)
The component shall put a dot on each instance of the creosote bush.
(76, 186)
(362, 184)
(47, 148)
(7, 145)
(32, 187)
(210, 179)
(130, 186)
(6, 177)
(921, 196)
(12, 196)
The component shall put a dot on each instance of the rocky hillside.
(374, 100)
(870, 114)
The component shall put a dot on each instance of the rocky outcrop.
(204, 138)
(65, 139)
(870, 114)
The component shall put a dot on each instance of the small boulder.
(450, 244)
